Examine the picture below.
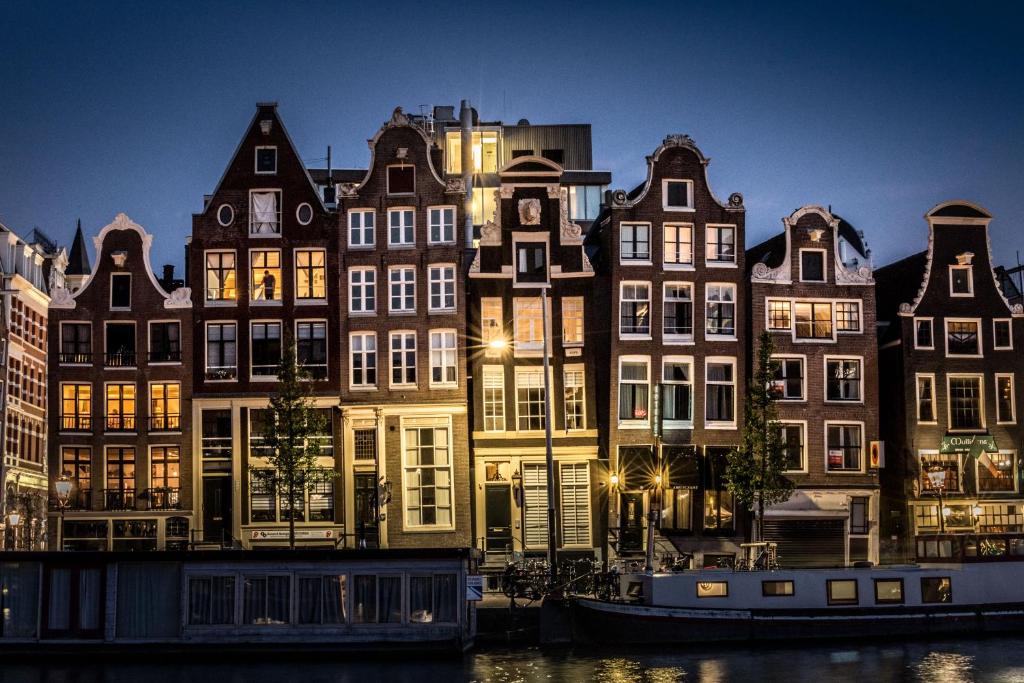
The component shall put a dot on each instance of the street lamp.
(63, 488)
(13, 520)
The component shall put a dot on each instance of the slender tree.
(755, 473)
(291, 452)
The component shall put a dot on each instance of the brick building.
(811, 287)
(403, 362)
(530, 252)
(263, 270)
(119, 390)
(950, 370)
(27, 271)
(671, 267)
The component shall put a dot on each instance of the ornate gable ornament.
(568, 232)
(179, 298)
(529, 211)
(61, 298)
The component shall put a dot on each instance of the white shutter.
(535, 500)
(575, 503)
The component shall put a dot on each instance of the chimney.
(167, 281)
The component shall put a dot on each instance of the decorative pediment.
(965, 258)
(816, 234)
(179, 298)
(762, 273)
(569, 232)
(120, 258)
(860, 276)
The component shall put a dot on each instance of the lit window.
(843, 379)
(442, 288)
(492, 324)
(362, 287)
(76, 407)
(720, 317)
(634, 308)
(678, 311)
(572, 320)
(574, 401)
(311, 274)
(963, 338)
(677, 390)
(847, 316)
(427, 476)
(442, 224)
(997, 472)
(485, 152)
(443, 369)
(712, 589)
(266, 349)
(530, 399)
(678, 244)
(634, 389)
(635, 242)
(403, 358)
(949, 464)
(401, 179)
(780, 315)
(360, 228)
(363, 356)
(720, 244)
(494, 398)
(120, 408)
(527, 322)
(936, 589)
(484, 204)
(845, 446)
(677, 194)
(401, 227)
(220, 276)
(165, 406)
(720, 391)
(813, 320)
(265, 275)
(265, 212)
(842, 592)
(402, 286)
(584, 202)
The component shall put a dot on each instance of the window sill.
(719, 425)
(403, 387)
(678, 339)
(220, 303)
(362, 314)
(261, 302)
(448, 387)
(679, 267)
(678, 424)
(1002, 348)
(813, 340)
(402, 246)
(679, 209)
(626, 336)
(844, 472)
(257, 378)
(442, 311)
(844, 402)
(442, 243)
(963, 355)
(311, 302)
(720, 264)
(635, 262)
(265, 234)
(720, 337)
(634, 425)
(362, 388)
(362, 247)
(404, 312)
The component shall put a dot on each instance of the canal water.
(997, 660)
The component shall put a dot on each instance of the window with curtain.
(221, 351)
(720, 311)
(321, 599)
(266, 349)
(678, 244)
(634, 390)
(311, 274)
(266, 600)
(265, 213)
(428, 476)
(421, 599)
(211, 600)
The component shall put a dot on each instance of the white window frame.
(256, 156)
(715, 360)
(135, 335)
(931, 326)
(713, 263)
(635, 261)
(676, 265)
(445, 283)
(634, 423)
(444, 352)
(110, 292)
(578, 307)
(981, 397)
(824, 369)
(768, 314)
(387, 179)
(438, 212)
(363, 298)
(365, 354)
(1009, 325)
(519, 238)
(432, 423)
(735, 311)
(930, 376)
(581, 369)
(295, 263)
(860, 316)
(1013, 398)
(650, 325)
(523, 370)
(803, 378)
(532, 348)
(676, 360)
(488, 384)
(864, 445)
(1016, 484)
(981, 341)
(207, 301)
(280, 325)
(672, 338)
(824, 264)
(401, 270)
(970, 281)
(279, 211)
(587, 541)
(298, 213)
(206, 349)
(403, 229)
(803, 469)
(279, 282)
(403, 335)
(689, 208)
(362, 213)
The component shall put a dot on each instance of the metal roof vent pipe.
(466, 119)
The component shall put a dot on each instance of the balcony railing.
(164, 498)
(118, 499)
(122, 359)
(78, 500)
(221, 372)
(75, 358)
(165, 356)
(165, 423)
(76, 423)
(120, 423)
(216, 447)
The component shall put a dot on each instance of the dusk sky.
(880, 113)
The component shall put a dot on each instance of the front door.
(366, 511)
(631, 522)
(498, 517)
(216, 509)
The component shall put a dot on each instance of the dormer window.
(531, 262)
(677, 195)
(812, 265)
(266, 160)
(121, 291)
(401, 179)
(961, 281)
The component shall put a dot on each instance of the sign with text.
(300, 534)
(975, 444)
(474, 587)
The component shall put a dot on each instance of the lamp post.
(13, 520)
(63, 488)
(548, 452)
(937, 478)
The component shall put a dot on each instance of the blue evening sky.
(881, 110)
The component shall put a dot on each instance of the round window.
(304, 213)
(225, 214)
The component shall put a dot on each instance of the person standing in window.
(268, 283)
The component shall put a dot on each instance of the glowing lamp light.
(63, 488)
(497, 344)
(946, 511)
(614, 479)
(977, 510)
(937, 478)
(14, 518)
(657, 479)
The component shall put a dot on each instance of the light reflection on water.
(992, 660)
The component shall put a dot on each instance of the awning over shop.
(978, 446)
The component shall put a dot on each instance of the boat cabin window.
(842, 591)
(888, 591)
(936, 589)
(776, 589)
(712, 589)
